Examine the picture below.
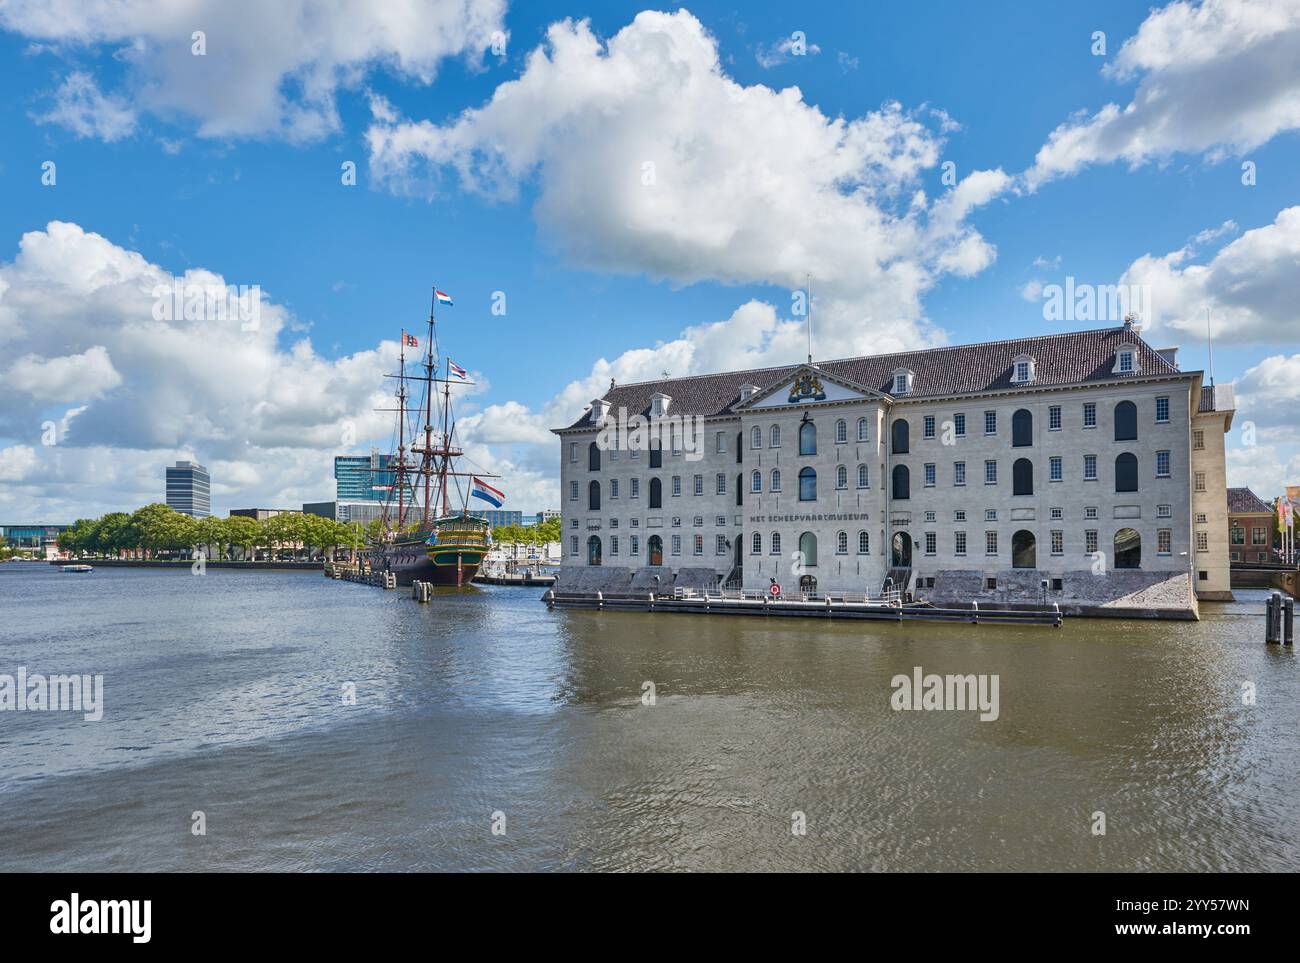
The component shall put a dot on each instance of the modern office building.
(189, 489)
(1082, 467)
(497, 517)
(363, 478)
(261, 514)
(363, 512)
(546, 515)
(31, 535)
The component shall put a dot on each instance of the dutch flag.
(481, 489)
(457, 370)
(442, 297)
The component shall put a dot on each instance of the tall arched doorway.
(1128, 548)
(1024, 550)
(655, 549)
(593, 550)
(808, 549)
(900, 550)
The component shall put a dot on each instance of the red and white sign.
(774, 590)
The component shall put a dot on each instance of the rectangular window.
(1058, 542)
(959, 516)
(1164, 511)
(990, 543)
(1200, 518)
(613, 545)
(1202, 542)
(677, 521)
(1258, 536)
(928, 426)
(573, 544)
(634, 453)
(634, 485)
(1090, 414)
(573, 491)
(990, 422)
(699, 521)
(719, 520)
(931, 517)
(573, 451)
(720, 545)
(990, 514)
(1054, 418)
(1162, 410)
(721, 443)
(929, 476)
(990, 473)
(990, 584)
(699, 544)
(721, 482)
(1164, 542)
(1237, 535)
(677, 545)
(1090, 511)
(1162, 464)
(1126, 361)
(1022, 370)
(1058, 514)
(959, 543)
(959, 473)
(931, 543)
(613, 454)
(1198, 439)
(699, 484)
(1200, 481)
(677, 485)
(573, 523)
(1055, 469)
(636, 545)
(1090, 541)
(959, 424)
(1089, 467)
(613, 488)
(613, 523)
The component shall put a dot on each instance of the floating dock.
(828, 607)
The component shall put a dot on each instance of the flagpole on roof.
(808, 293)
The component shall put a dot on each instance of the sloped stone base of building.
(1117, 594)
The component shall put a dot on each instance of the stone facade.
(816, 480)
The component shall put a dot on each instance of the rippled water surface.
(224, 694)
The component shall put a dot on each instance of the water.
(224, 695)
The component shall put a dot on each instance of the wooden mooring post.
(1279, 620)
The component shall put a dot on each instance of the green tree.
(242, 532)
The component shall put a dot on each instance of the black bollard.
(1288, 621)
(1273, 619)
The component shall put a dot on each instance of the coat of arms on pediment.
(807, 387)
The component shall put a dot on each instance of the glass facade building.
(189, 489)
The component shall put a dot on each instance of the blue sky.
(177, 169)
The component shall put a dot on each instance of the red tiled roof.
(1074, 358)
(1243, 501)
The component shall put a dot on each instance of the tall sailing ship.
(428, 533)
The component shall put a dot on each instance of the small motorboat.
(77, 568)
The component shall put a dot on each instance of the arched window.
(807, 485)
(1022, 477)
(862, 429)
(864, 543)
(1126, 421)
(756, 437)
(842, 543)
(898, 436)
(808, 549)
(841, 477)
(740, 441)
(864, 477)
(841, 431)
(755, 481)
(775, 542)
(807, 438)
(756, 544)
(593, 550)
(1023, 550)
(1128, 548)
(593, 457)
(656, 493)
(1126, 472)
(740, 489)
(776, 480)
(774, 437)
(593, 496)
(1022, 429)
(902, 487)
(655, 550)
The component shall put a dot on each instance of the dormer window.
(1126, 360)
(902, 382)
(599, 409)
(659, 405)
(1022, 370)
(748, 391)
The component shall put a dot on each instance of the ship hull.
(426, 570)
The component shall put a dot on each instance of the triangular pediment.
(809, 385)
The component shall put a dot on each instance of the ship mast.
(428, 410)
(401, 434)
